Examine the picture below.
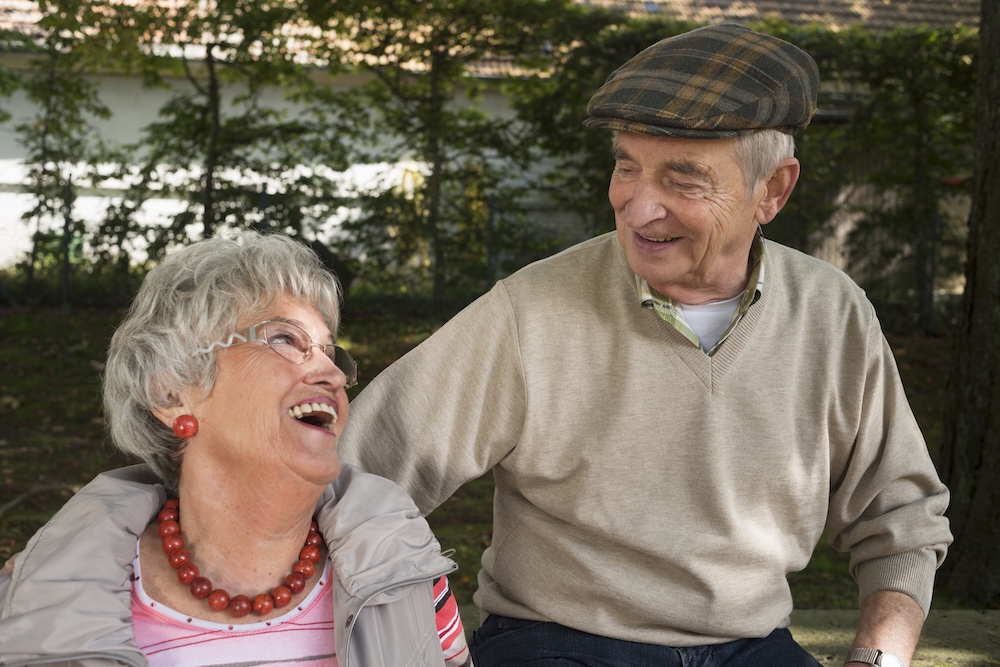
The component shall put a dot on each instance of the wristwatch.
(873, 656)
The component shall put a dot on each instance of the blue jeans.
(511, 642)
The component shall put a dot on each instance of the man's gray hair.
(760, 152)
(197, 295)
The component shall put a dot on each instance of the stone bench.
(950, 638)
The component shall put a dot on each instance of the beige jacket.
(68, 599)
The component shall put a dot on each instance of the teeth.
(298, 411)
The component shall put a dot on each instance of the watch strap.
(867, 655)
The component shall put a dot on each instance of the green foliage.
(89, 283)
(53, 436)
(425, 109)
(487, 233)
(216, 146)
(61, 144)
(883, 164)
(893, 133)
(826, 149)
(904, 140)
(9, 79)
(591, 45)
(918, 116)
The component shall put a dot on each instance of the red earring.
(185, 426)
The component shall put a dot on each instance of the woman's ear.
(778, 189)
(168, 413)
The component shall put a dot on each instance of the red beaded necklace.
(218, 599)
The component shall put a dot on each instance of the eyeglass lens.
(294, 344)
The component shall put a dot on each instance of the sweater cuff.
(911, 573)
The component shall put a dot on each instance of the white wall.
(133, 107)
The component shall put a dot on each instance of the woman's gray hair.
(198, 295)
(760, 152)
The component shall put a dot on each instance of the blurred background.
(426, 150)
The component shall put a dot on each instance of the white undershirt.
(710, 320)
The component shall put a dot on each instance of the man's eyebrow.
(687, 168)
(680, 166)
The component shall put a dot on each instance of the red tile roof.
(835, 14)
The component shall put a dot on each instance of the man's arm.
(447, 411)
(887, 511)
(890, 622)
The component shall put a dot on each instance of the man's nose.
(645, 205)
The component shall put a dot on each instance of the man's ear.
(778, 189)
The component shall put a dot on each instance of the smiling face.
(267, 418)
(684, 216)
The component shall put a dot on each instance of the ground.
(963, 638)
(951, 638)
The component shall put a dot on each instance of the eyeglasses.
(291, 342)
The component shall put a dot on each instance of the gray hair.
(197, 295)
(760, 152)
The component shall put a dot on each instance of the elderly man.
(674, 413)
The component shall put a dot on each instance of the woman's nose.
(323, 370)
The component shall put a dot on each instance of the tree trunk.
(970, 455)
(212, 149)
(924, 202)
(435, 153)
(43, 161)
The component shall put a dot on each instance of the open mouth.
(315, 414)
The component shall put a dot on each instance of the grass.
(52, 438)
(51, 431)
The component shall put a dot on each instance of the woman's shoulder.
(75, 572)
(370, 525)
(375, 493)
(113, 509)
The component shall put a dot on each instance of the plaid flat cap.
(718, 81)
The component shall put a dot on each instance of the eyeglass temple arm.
(234, 339)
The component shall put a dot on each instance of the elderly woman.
(242, 540)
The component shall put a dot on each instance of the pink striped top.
(303, 637)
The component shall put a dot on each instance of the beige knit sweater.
(645, 490)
